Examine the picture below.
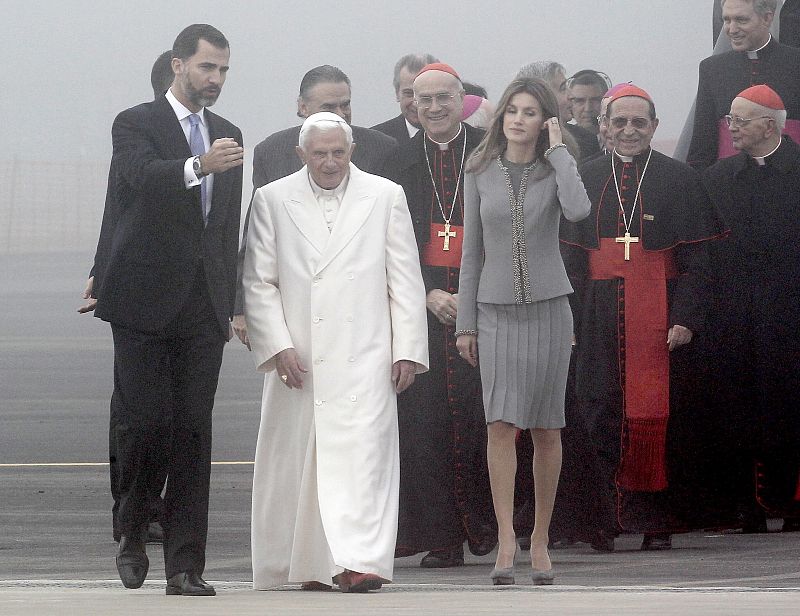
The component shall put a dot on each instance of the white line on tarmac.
(78, 464)
(248, 585)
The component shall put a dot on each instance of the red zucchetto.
(764, 96)
(439, 66)
(630, 90)
(616, 88)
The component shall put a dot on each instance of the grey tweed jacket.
(487, 263)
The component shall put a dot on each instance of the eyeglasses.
(443, 99)
(637, 123)
(582, 100)
(733, 120)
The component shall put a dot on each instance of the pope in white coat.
(335, 311)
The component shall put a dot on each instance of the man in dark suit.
(323, 88)
(161, 77)
(405, 126)
(166, 283)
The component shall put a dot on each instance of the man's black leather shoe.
(132, 562)
(190, 584)
(482, 548)
(656, 541)
(441, 559)
(602, 541)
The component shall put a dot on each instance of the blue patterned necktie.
(198, 147)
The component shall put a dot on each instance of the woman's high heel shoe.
(505, 576)
(542, 578)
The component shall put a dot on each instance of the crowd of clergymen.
(720, 450)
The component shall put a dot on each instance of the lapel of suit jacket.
(357, 204)
(301, 205)
(169, 128)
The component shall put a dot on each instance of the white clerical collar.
(753, 53)
(180, 109)
(762, 160)
(412, 130)
(329, 192)
(446, 145)
(625, 159)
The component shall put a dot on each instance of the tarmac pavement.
(57, 554)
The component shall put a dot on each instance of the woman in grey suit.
(513, 304)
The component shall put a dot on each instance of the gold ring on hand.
(284, 377)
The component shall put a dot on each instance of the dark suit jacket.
(790, 23)
(155, 240)
(396, 127)
(276, 157)
(587, 141)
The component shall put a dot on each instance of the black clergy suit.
(276, 157)
(444, 488)
(166, 283)
(724, 76)
(396, 127)
(672, 216)
(790, 23)
(753, 346)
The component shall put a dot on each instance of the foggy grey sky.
(75, 64)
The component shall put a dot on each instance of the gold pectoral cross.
(447, 234)
(627, 239)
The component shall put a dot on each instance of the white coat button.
(353, 398)
(316, 319)
(349, 318)
(318, 361)
(318, 402)
(351, 358)
(350, 276)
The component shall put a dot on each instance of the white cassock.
(351, 301)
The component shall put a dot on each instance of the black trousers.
(164, 389)
(156, 506)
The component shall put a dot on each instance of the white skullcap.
(325, 120)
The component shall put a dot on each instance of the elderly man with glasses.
(444, 483)
(638, 264)
(756, 308)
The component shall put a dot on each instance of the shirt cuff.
(189, 177)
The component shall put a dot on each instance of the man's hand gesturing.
(224, 154)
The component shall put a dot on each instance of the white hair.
(322, 121)
(779, 115)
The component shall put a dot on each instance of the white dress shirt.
(190, 179)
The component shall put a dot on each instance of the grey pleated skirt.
(524, 352)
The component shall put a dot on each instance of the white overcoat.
(351, 302)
